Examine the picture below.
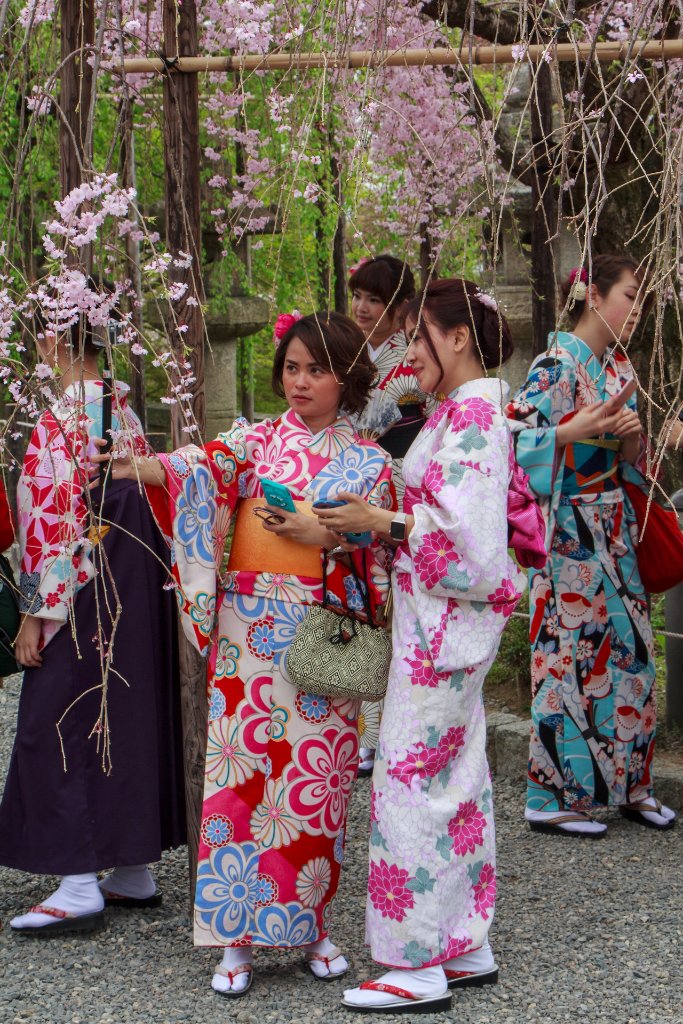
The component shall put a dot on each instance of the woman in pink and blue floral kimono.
(280, 763)
(432, 878)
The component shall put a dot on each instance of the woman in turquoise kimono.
(592, 660)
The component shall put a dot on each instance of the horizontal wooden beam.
(465, 55)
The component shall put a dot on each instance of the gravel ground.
(584, 931)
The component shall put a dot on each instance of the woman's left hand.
(628, 425)
(301, 528)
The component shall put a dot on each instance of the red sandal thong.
(407, 1001)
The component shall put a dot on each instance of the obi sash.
(254, 549)
(591, 466)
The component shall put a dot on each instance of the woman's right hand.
(146, 468)
(591, 421)
(27, 645)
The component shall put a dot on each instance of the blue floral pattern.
(350, 471)
(216, 704)
(284, 924)
(227, 891)
(196, 514)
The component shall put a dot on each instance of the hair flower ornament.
(486, 300)
(284, 323)
(579, 279)
(361, 263)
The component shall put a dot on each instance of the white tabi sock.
(366, 758)
(424, 983)
(655, 816)
(134, 881)
(338, 964)
(233, 956)
(570, 826)
(478, 961)
(77, 894)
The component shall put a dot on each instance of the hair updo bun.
(604, 272)
(453, 301)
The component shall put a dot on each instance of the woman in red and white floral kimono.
(280, 763)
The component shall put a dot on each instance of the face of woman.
(310, 389)
(619, 310)
(420, 358)
(372, 316)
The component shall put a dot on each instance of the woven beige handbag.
(336, 655)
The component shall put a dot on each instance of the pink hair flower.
(486, 300)
(284, 323)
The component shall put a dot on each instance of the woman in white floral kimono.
(432, 880)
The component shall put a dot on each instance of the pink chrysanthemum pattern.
(388, 891)
(466, 828)
(433, 558)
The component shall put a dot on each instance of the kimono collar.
(578, 348)
(342, 429)
(93, 389)
(87, 391)
(492, 388)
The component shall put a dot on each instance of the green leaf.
(417, 954)
(444, 846)
(457, 679)
(376, 837)
(422, 882)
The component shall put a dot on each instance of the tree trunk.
(341, 280)
(138, 391)
(183, 232)
(544, 211)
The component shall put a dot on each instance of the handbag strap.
(363, 587)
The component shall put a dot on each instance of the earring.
(440, 396)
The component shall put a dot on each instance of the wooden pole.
(129, 180)
(75, 90)
(405, 57)
(544, 210)
(183, 235)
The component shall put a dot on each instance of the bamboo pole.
(563, 52)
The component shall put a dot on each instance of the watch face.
(397, 530)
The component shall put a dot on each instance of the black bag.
(9, 618)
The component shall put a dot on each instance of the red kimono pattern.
(52, 509)
(280, 763)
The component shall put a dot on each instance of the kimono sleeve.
(202, 491)
(52, 515)
(544, 401)
(458, 543)
(378, 556)
(6, 520)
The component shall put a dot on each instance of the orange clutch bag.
(254, 549)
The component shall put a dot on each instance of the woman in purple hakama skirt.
(95, 777)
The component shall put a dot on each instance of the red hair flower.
(361, 262)
(582, 275)
(284, 323)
